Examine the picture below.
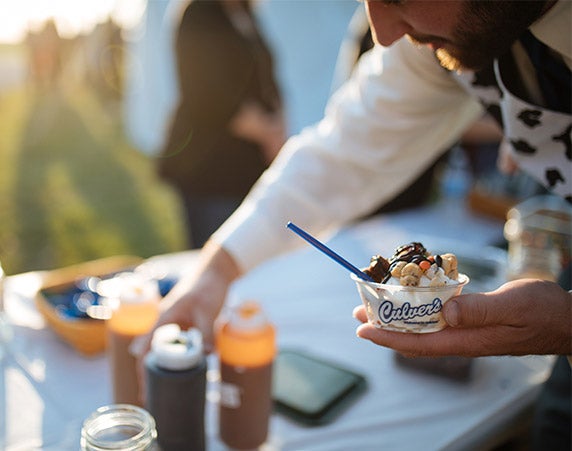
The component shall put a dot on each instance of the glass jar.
(539, 235)
(3, 324)
(1, 290)
(5, 328)
(119, 427)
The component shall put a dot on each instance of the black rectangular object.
(312, 390)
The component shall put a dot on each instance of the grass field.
(72, 188)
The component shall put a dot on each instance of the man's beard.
(487, 30)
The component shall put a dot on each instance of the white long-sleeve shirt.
(381, 129)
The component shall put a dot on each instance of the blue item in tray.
(166, 284)
(74, 300)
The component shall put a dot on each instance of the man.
(442, 62)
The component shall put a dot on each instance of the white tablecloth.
(47, 389)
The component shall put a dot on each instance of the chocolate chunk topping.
(378, 268)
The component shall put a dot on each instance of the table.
(47, 389)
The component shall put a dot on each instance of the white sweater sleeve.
(382, 129)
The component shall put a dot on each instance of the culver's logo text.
(389, 313)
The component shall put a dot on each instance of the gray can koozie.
(176, 386)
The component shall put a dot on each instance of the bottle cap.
(246, 317)
(174, 349)
(129, 287)
(135, 288)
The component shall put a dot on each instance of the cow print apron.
(540, 140)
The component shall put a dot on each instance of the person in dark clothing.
(228, 124)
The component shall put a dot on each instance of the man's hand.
(194, 302)
(522, 317)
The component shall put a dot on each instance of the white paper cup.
(407, 309)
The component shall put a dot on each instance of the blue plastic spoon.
(330, 253)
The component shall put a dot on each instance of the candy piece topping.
(412, 265)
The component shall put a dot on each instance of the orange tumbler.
(246, 344)
(135, 315)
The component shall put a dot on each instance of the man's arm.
(394, 117)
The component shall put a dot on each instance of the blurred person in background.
(437, 67)
(228, 124)
(103, 54)
(45, 56)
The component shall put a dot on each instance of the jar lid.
(547, 212)
(129, 288)
(247, 316)
(174, 349)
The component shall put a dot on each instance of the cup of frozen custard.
(410, 289)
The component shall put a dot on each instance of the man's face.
(464, 33)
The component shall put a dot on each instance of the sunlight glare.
(71, 16)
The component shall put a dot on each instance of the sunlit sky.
(71, 16)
